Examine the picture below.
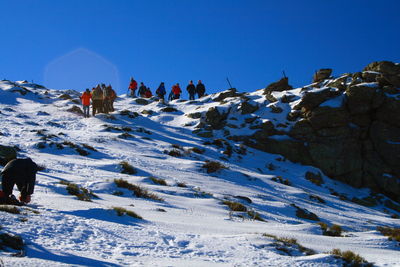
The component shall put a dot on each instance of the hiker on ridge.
(200, 89)
(97, 100)
(142, 90)
(148, 93)
(85, 98)
(161, 91)
(20, 172)
(111, 96)
(177, 91)
(132, 87)
(191, 90)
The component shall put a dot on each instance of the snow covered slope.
(190, 224)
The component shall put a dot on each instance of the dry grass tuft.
(139, 191)
(213, 166)
(122, 211)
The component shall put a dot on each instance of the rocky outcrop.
(358, 141)
(348, 127)
(321, 75)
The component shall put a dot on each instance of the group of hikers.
(102, 97)
(176, 91)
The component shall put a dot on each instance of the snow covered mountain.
(191, 198)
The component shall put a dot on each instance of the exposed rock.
(141, 101)
(216, 119)
(229, 93)
(390, 72)
(65, 96)
(305, 214)
(321, 75)
(313, 99)
(361, 99)
(247, 108)
(196, 115)
(7, 153)
(75, 109)
(281, 85)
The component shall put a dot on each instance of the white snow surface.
(191, 227)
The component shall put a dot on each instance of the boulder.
(390, 72)
(281, 85)
(216, 119)
(247, 108)
(313, 99)
(321, 75)
(361, 99)
(389, 111)
(141, 101)
(327, 117)
(228, 93)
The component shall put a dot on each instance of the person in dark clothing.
(161, 91)
(191, 90)
(200, 89)
(20, 172)
(142, 90)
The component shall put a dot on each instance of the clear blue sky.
(78, 43)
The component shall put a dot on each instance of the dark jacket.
(191, 89)
(142, 90)
(200, 89)
(161, 90)
(23, 172)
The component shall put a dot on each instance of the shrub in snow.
(122, 211)
(173, 153)
(197, 150)
(139, 191)
(279, 179)
(333, 230)
(82, 193)
(158, 181)
(315, 178)
(289, 246)
(391, 232)
(213, 166)
(305, 214)
(351, 258)
(127, 168)
(234, 206)
(181, 184)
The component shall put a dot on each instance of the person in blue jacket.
(161, 91)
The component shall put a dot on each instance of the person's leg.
(7, 184)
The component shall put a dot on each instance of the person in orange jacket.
(85, 98)
(177, 91)
(133, 87)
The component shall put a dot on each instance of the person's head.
(141, 83)
(131, 79)
(177, 84)
(190, 82)
(199, 81)
(162, 83)
(87, 90)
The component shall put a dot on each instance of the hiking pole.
(229, 83)
(284, 74)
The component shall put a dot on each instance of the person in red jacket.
(177, 91)
(133, 87)
(85, 98)
(148, 93)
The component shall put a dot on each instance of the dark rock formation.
(281, 85)
(321, 75)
